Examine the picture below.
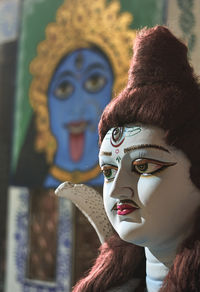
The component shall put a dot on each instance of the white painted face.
(148, 195)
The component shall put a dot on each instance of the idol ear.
(90, 203)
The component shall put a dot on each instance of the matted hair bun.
(159, 57)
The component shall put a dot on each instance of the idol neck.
(158, 262)
(156, 270)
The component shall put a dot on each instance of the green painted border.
(31, 33)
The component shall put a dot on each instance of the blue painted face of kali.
(80, 89)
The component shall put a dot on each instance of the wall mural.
(79, 67)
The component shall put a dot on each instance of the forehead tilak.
(78, 62)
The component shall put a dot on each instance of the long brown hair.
(118, 262)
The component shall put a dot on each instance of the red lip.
(124, 209)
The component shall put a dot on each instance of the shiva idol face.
(148, 195)
(80, 89)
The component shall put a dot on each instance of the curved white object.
(90, 203)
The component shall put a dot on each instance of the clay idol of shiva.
(150, 157)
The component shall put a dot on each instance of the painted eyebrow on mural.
(65, 74)
(142, 146)
(95, 66)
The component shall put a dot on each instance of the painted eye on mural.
(148, 166)
(95, 83)
(109, 172)
(64, 90)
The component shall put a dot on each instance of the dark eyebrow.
(65, 74)
(89, 68)
(145, 146)
(105, 153)
(94, 66)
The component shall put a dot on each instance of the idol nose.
(122, 187)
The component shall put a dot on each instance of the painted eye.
(95, 83)
(149, 166)
(64, 90)
(142, 167)
(109, 172)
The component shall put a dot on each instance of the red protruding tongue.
(76, 146)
